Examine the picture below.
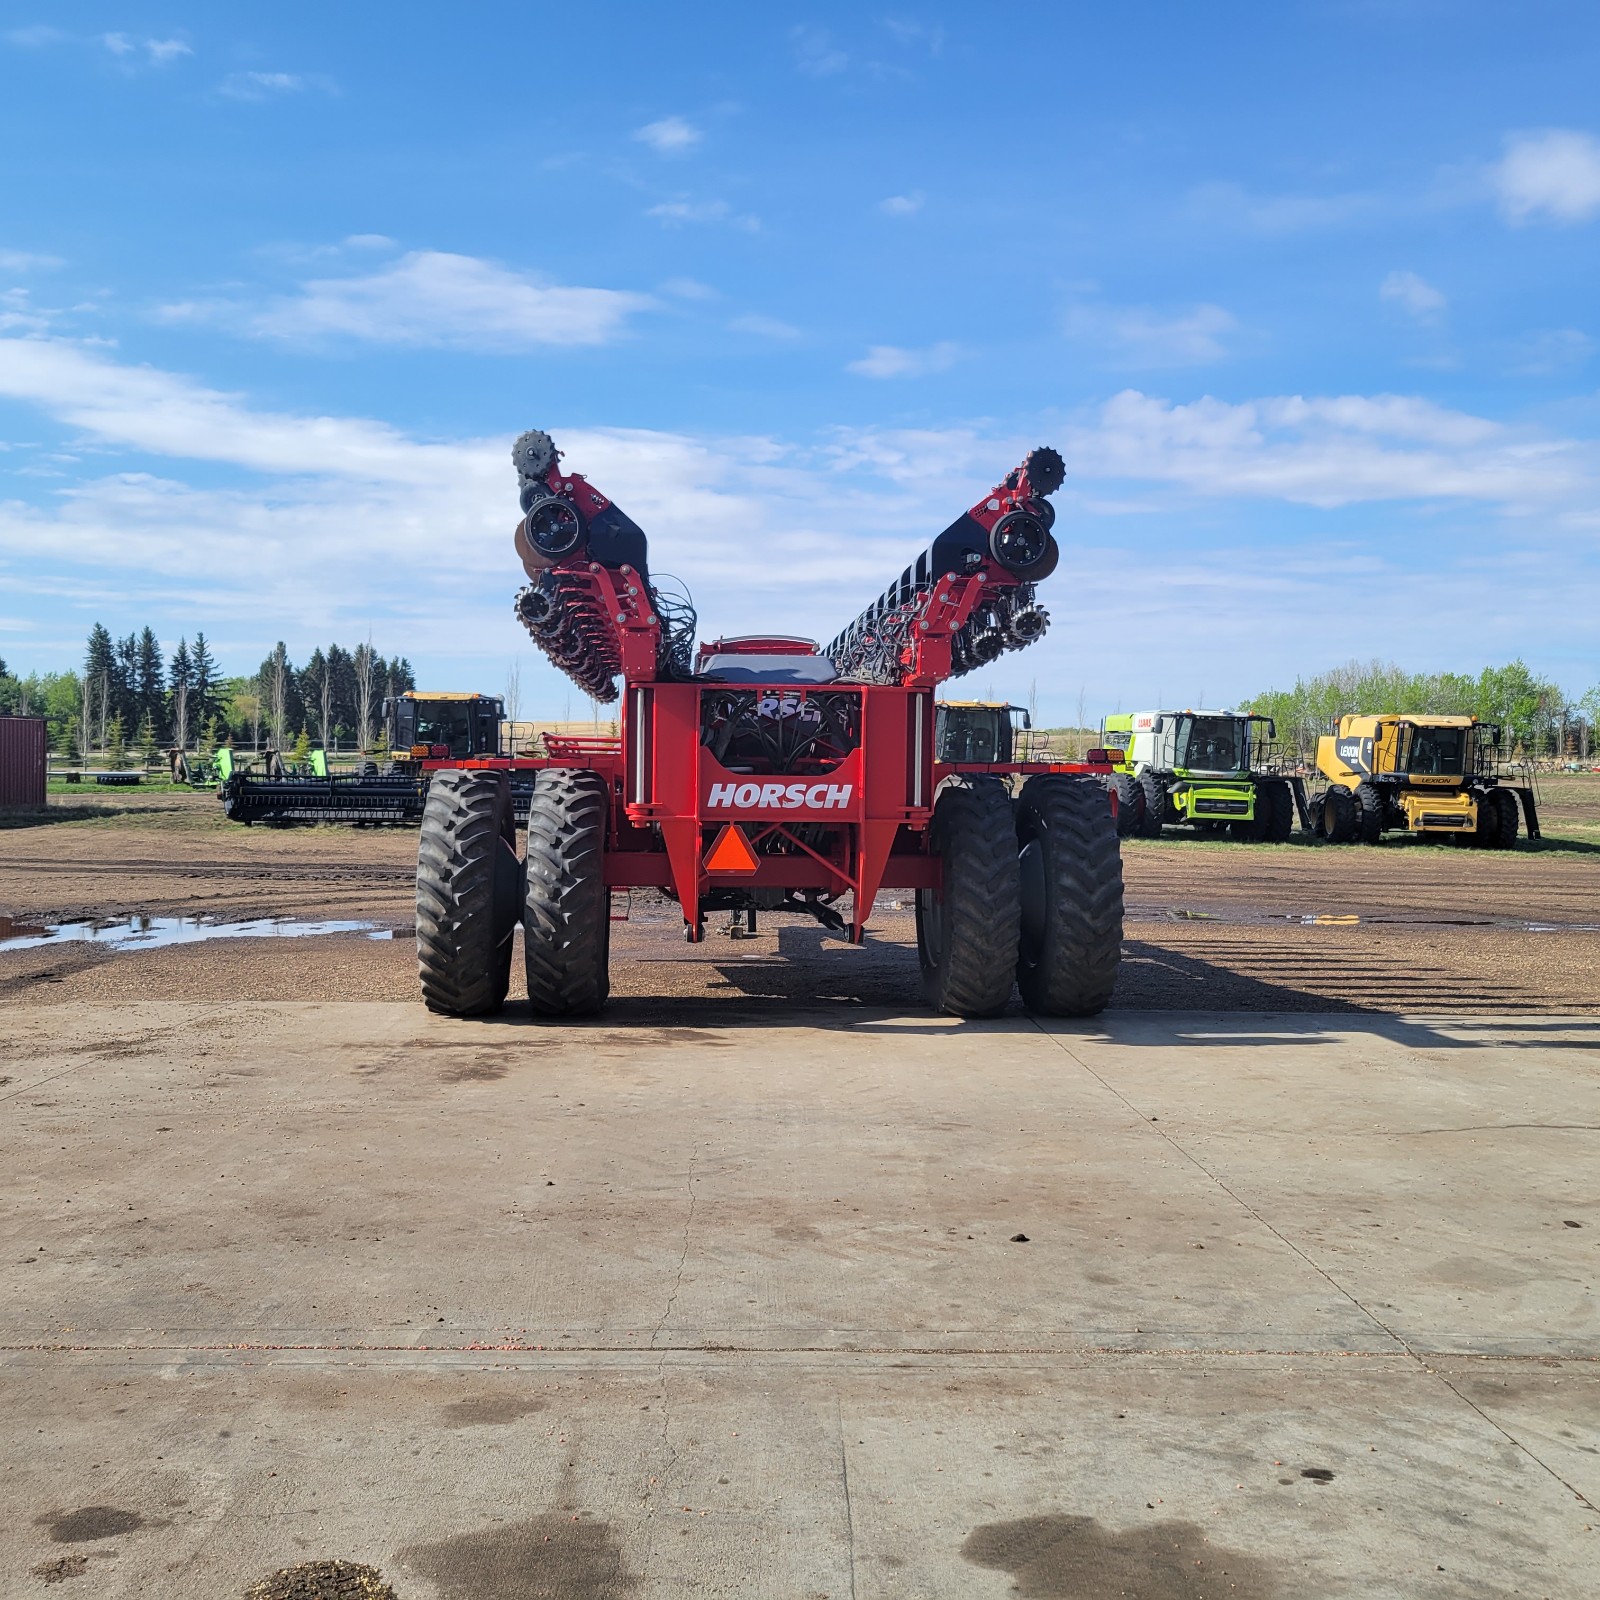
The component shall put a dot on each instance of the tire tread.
(975, 835)
(464, 968)
(566, 912)
(1082, 950)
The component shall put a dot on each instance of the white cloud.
(669, 136)
(688, 289)
(1138, 336)
(256, 87)
(127, 48)
(676, 213)
(158, 51)
(1329, 451)
(902, 205)
(26, 261)
(1323, 451)
(893, 361)
(1231, 205)
(288, 546)
(764, 327)
(36, 36)
(1554, 174)
(431, 297)
(907, 31)
(816, 54)
(1555, 350)
(1414, 295)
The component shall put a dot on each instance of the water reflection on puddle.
(156, 933)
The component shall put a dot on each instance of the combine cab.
(977, 733)
(1202, 769)
(766, 773)
(1435, 777)
(442, 726)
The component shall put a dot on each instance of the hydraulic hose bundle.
(1002, 546)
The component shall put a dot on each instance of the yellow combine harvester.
(1431, 776)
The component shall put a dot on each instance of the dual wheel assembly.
(472, 891)
(1031, 896)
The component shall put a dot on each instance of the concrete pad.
(513, 1310)
(1441, 1171)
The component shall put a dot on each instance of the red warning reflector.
(730, 852)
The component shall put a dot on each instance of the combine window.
(467, 727)
(974, 735)
(1211, 744)
(1437, 752)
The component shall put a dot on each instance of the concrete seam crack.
(683, 1258)
(1316, 1267)
(671, 1453)
(849, 1508)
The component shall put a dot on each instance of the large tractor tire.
(1497, 820)
(1155, 806)
(1130, 804)
(968, 928)
(1369, 814)
(566, 909)
(1278, 798)
(467, 883)
(1340, 817)
(1071, 877)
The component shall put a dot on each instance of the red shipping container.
(22, 761)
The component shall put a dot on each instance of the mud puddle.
(1257, 916)
(160, 933)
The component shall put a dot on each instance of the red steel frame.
(671, 798)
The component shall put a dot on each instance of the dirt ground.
(1402, 927)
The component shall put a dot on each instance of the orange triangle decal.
(731, 852)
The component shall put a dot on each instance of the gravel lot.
(1212, 926)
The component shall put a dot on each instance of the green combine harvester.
(1209, 770)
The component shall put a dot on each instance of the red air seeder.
(764, 773)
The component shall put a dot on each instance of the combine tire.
(1071, 879)
(566, 910)
(1130, 804)
(1340, 818)
(467, 879)
(1279, 799)
(1497, 820)
(1155, 806)
(968, 929)
(1369, 814)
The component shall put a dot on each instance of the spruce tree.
(148, 677)
(202, 682)
(125, 691)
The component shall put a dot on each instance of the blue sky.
(1305, 293)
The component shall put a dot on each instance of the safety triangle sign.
(730, 852)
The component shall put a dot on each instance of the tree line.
(1533, 714)
(132, 695)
